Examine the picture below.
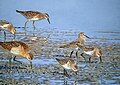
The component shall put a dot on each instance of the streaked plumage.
(17, 48)
(68, 63)
(5, 25)
(94, 52)
(33, 16)
(79, 41)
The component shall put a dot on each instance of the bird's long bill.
(48, 20)
(87, 36)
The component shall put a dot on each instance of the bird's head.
(47, 17)
(82, 35)
(12, 29)
(29, 56)
(74, 67)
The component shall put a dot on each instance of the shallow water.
(99, 19)
(47, 71)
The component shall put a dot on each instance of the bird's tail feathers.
(64, 46)
(1, 43)
(19, 11)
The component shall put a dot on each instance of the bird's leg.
(34, 27)
(77, 53)
(10, 61)
(65, 73)
(25, 26)
(83, 57)
(71, 54)
(16, 60)
(89, 59)
(4, 36)
(100, 59)
(14, 37)
(31, 64)
(76, 73)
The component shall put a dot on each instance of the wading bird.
(80, 41)
(94, 52)
(5, 25)
(68, 63)
(17, 48)
(33, 16)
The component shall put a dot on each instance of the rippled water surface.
(47, 71)
(99, 19)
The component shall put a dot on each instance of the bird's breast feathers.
(88, 52)
(66, 66)
(4, 26)
(34, 19)
(16, 50)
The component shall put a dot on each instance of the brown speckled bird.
(5, 25)
(79, 41)
(17, 48)
(94, 52)
(33, 16)
(68, 63)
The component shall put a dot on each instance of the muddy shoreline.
(47, 71)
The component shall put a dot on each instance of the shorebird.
(68, 63)
(80, 41)
(17, 48)
(33, 16)
(94, 52)
(5, 25)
